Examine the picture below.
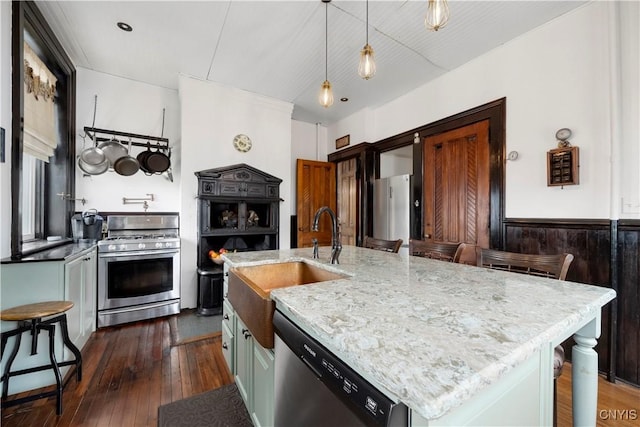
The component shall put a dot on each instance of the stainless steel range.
(138, 268)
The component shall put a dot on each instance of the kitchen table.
(448, 340)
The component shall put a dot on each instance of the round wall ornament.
(242, 143)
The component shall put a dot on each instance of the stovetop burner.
(127, 233)
(144, 236)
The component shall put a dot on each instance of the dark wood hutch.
(238, 210)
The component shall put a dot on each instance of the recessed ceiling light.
(125, 27)
(344, 99)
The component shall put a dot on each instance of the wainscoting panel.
(589, 241)
(628, 342)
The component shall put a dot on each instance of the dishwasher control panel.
(370, 404)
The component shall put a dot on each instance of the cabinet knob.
(224, 345)
(246, 333)
(225, 317)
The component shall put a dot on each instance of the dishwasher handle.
(316, 372)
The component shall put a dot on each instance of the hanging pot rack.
(93, 132)
(100, 135)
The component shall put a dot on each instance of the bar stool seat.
(30, 319)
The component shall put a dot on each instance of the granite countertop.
(428, 333)
(61, 252)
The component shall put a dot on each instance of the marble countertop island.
(428, 333)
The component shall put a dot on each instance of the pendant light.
(326, 95)
(367, 66)
(437, 15)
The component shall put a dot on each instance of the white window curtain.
(40, 136)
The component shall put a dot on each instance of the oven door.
(133, 278)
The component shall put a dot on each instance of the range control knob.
(141, 246)
(158, 245)
(111, 247)
(168, 244)
(123, 247)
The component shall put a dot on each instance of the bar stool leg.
(62, 319)
(7, 367)
(54, 365)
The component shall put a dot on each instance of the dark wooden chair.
(382, 244)
(551, 266)
(436, 250)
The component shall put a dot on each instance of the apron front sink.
(250, 288)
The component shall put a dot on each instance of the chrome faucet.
(336, 246)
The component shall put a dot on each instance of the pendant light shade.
(367, 65)
(326, 94)
(437, 15)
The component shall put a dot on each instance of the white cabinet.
(263, 386)
(254, 375)
(73, 273)
(72, 279)
(244, 363)
(80, 282)
(228, 335)
(251, 364)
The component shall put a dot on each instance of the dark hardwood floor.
(129, 371)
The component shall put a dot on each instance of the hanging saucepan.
(90, 169)
(157, 162)
(113, 150)
(126, 165)
(142, 158)
(92, 155)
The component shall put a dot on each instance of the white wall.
(629, 68)
(5, 122)
(555, 76)
(212, 115)
(133, 107)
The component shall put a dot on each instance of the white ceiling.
(276, 48)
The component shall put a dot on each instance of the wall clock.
(242, 143)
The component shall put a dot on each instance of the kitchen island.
(456, 344)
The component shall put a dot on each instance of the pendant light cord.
(326, 40)
(367, 23)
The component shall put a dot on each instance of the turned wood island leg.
(584, 374)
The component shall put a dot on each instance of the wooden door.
(348, 201)
(316, 187)
(456, 185)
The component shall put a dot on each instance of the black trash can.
(210, 284)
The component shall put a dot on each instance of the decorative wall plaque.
(562, 166)
(342, 142)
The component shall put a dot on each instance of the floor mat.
(222, 407)
(189, 326)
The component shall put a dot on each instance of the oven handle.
(143, 253)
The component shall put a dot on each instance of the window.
(37, 209)
(32, 198)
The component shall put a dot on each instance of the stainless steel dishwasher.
(314, 388)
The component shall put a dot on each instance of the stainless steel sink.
(250, 288)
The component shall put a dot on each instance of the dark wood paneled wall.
(628, 340)
(594, 246)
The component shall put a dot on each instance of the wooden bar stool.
(29, 318)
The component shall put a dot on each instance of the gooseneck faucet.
(336, 246)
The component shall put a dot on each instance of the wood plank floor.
(130, 371)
